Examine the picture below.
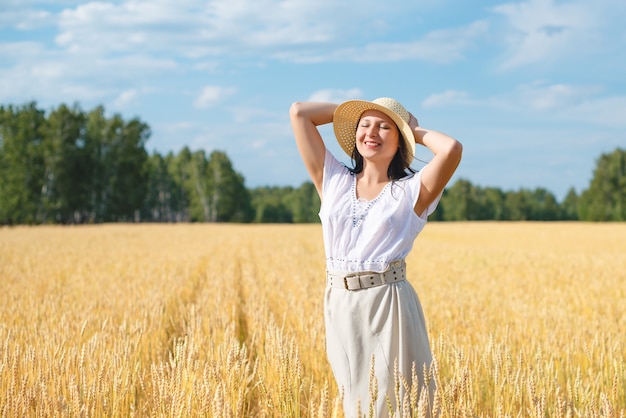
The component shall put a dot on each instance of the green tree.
(493, 204)
(605, 199)
(569, 206)
(178, 168)
(199, 187)
(516, 205)
(118, 166)
(67, 166)
(96, 148)
(304, 203)
(542, 206)
(22, 169)
(271, 204)
(202, 189)
(126, 161)
(228, 197)
(159, 205)
(460, 202)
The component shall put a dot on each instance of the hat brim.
(347, 116)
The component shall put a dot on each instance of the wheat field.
(525, 320)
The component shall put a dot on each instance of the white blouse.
(367, 235)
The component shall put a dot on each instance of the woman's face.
(377, 136)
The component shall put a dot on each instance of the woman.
(371, 215)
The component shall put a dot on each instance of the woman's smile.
(371, 144)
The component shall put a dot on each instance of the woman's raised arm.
(447, 156)
(305, 118)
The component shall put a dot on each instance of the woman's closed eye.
(381, 126)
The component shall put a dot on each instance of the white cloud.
(540, 97)
(447, 98)
(208, 66)
(544, 31)
(46, 82)
(125, 98)
(130, 26)
(53, 75)
(573, 103)
(335, 96)
(560, 102)
(243, 115)
(177, 126)
(289, 22)
(21, 50)
(192, 28)
(439, 46)
(22, 18)
(604, 111)
(199, 29)
(212, 95)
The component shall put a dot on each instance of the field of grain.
(526, 320)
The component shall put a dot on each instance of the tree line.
(75, 166)
(604, 199)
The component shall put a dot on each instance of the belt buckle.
(351, 276)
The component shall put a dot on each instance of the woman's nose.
(372, 131)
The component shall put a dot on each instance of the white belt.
(396, 272)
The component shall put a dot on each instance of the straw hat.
(347, 117)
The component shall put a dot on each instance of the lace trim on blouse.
(361, 207)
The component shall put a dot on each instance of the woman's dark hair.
(396, 169)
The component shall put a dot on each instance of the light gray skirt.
(384, 324)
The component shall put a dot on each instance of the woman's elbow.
(295, 111)
(458, 148)
(455, 150)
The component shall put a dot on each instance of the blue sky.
(535, 90)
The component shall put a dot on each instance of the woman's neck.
(370, 182)
(373, 174)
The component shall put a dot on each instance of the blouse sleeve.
(415, 185)
(333, 172)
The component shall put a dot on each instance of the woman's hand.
(413, 122)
